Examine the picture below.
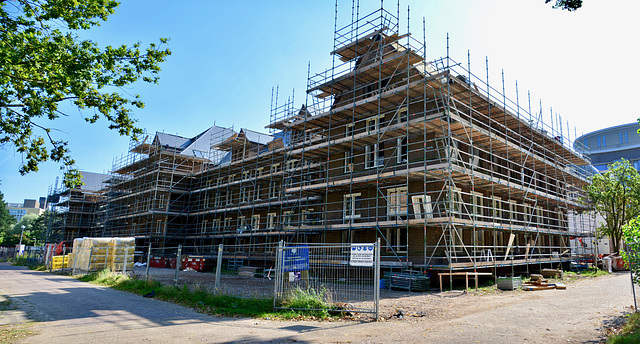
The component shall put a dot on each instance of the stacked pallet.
(59, 262)
(94, 254)
(248, 271)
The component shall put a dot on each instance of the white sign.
(361, 255)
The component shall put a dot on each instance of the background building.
(29, 206)
(609, 145)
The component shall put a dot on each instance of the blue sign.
(295, 259)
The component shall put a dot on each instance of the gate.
(345, 277)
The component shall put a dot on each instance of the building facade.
(443, 169)
(609, 145)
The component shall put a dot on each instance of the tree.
(569, 5)
(6, 220)
(45, 64)
(616, 197)
(31, 232)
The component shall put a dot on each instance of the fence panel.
(345, 276)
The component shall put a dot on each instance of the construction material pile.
(94, 254)
(538, 282)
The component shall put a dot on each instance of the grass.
(629, 334)
(590, 272)
(205, 301)
(12, 333)
(31, 263)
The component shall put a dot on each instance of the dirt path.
(70, 311)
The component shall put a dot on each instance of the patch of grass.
(13, 333)
(198, 298)
(31, 263)
(590, 272)
(630, 333)
(310, 298)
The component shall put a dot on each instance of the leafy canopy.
(44, 64)
(616, 197)
(569, 5)
(6, 221)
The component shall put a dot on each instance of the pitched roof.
(199, 145)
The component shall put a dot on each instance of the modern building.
(609, 145)
(446, 171)
(19, 210)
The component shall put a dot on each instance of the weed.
(201, 299)
(12, 333)
(630, 332)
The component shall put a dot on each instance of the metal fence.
(633, 259)
(28, 252)
(344, 276)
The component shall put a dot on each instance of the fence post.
(218, 268)
(90, 257)
(106, 259)
(633, 288)
(64, 253)
(148, 262)
(277, 289)
(124, 266)
(178, 259)
(376, 280)
(75, 259)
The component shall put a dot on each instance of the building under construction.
(447, 171)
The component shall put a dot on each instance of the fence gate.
(345, 277)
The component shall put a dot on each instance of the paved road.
(69, 311)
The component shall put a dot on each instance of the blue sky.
(228, 55)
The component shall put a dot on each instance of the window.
(348, 161)
(255, 222)
(350, 128)
(227, 222)
(454, 202)
(243, 194)
(351, 203)
(496, 204)
(271, 220)
(216, 225)
(242, 222)
(403, 150)
(220, 181)
(259, 172)
(159, 227)
(604, 141)
(246, 175)
(205, 224)
(422, 207)
(626, 137)
(229, 197)
(232, 177)
(586, 143)
(402, 115)
(599, 142)
(258, 191)
(373, 124)
(291, 164)
(397, 202)
(205, 202)
(476, 205)
(397, 240)
(218, 201)
(286, 218)
(620, 137)
(307, 216)
(275, 168)
(273, 189)
(374, 155)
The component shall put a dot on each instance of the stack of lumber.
(539, 283)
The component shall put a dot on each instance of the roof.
(199, 145)
(256, 137)
(93, 181)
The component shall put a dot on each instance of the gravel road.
(67, 311)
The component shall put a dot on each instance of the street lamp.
(21, 232)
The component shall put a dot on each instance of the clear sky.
(228, 55)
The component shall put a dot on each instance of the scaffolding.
(443, 168)
(75, 210)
